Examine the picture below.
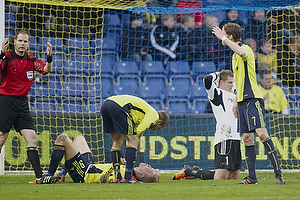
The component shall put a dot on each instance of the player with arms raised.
(249, 104)
(17, 74)
(219, 87)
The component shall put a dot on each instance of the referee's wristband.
(223, 38)
(49, 59)
(2, 55)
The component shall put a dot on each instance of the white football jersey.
(222, 102)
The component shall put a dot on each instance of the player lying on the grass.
(80, 166)
(219, 88)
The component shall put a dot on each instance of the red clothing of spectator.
(199, 17)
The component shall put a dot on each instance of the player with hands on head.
(129, 116)
(17, 75)
(249, 104)
(219, 87)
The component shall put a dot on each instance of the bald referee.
(129, 116)
(17, 72)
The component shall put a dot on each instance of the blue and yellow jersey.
(245, 76)
(143, 115)
(94, 177)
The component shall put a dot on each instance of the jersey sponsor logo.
(29, 75)
(230, 99)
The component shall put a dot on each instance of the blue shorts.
(79, 165)
(117, 119)
(250, 115)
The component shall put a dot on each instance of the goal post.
(2, 36)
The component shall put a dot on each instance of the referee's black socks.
(34, 159)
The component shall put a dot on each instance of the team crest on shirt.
(29, 75)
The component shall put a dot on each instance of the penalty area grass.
(17, 187)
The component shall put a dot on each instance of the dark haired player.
(17, 72)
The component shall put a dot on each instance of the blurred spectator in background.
(188, 25)
(233, 17)
(283, 27)
(135, 40)
(274, 97)
(253, 45)
(257, 26)
(295, 50)
(267, 55)
(165, 39)
(187, 5)
(150, 18)
(287, 69)
(210, 44)
(282, 23)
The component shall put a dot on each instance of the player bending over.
(127, 116)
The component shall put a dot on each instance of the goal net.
(104, 48)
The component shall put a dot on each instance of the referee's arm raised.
(48, 67)
(4, 49)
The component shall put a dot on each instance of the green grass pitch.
(17, 187)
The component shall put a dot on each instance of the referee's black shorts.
(228, 155)
(15, 112)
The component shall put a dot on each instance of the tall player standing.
(17, 74)
(249, 104)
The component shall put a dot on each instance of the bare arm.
(235, 108)
(227, 42)
(4, 48)
(48, 67)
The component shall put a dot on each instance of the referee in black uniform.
(17, 72)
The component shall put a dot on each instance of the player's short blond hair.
(151, 179)
(164, 117)
(225, 73)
